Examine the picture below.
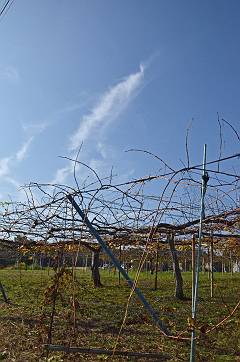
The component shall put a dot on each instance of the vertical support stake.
(193, 265)
(205, 179)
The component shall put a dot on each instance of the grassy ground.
(99, 314)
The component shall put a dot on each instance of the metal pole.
(193, 266)
(115, 261)
(202, 216)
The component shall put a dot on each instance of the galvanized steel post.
(115, 261)
(205, 179)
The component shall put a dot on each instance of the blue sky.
(114, 75)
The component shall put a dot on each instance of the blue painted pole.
(196, 284)
(115, 261)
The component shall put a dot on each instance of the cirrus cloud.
(111, 104)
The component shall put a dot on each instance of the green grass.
(99, 315)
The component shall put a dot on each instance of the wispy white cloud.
(102, 149)
(9, 73)
(19, 194)
(61, 174)
(34, 128)
(12, 181)
(111, 104)
(22, 152)
(5, 166)
(8, 163)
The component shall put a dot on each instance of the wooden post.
(230, 262)
(193, 264)
(211, 263)
(95, 268)
(17, 262)
(179, 281)
(3, 293)
(48, 265)
(40, 261)
(203, 264)
(33, 261)
(86, 262)
(120, 260)
(156, 267)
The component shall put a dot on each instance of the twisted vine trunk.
(178, 275)
(6, 300)
(95, 268)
